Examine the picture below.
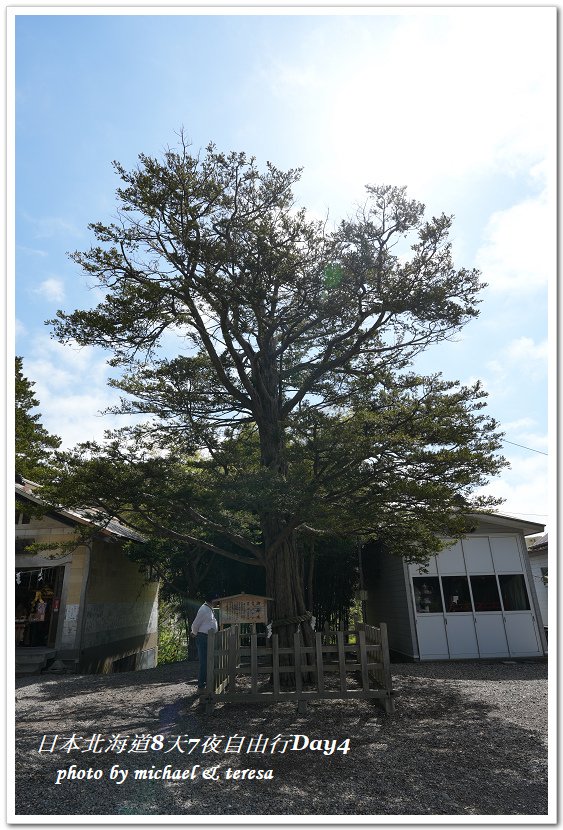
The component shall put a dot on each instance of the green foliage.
(187, 573)
(290, 414)
(335, 580)
(34, 446)
(172, 645)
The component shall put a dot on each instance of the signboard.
(243, 608)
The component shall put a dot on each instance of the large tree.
(288, 408)
(34, 445)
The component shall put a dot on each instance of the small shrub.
(172, 645)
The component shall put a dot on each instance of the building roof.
(93, 517)
(539, 544)
(527, 527)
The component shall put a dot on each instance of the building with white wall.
(475, 600)
(538, 553)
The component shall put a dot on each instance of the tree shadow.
(59, 685)
(442, 753)
(498, 670)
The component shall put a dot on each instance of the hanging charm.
(18, 578)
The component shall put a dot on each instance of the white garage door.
(491, 635)
(462, 636)
(475, 603)
(432, 638)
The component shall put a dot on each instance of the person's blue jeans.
(201, 643)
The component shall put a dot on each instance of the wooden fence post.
(389, 702)
(276, 665)
(320, 665)
(210, 676)
(233, 646)
(364, 661)
(366, 655)
(301, 703)
(341, 660)
(253, 662)
(297, 659)
(237, 633)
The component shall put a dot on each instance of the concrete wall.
(121, 612)
(537, 562)
(108, 613)
(68, 632)
(387, 600)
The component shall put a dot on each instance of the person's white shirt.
(205, 620)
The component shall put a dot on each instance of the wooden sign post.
(242, 608)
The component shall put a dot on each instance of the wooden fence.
(340, 665)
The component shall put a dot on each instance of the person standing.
(204, 623)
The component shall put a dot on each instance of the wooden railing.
(339, 665)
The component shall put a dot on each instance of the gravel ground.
(466, 739)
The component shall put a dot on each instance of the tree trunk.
(284, 567)
(285, 584)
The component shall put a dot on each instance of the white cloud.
(173, 341)
(71, 386)
(518, 252)
(522, 359)
(69, 362)
(532, 440)
(76, 417)
(20, 329)
(524, 487)
(425, 99)
(519, 424)
(32, 251)
(530, 357)
(48, 375)
(51, 289)
(524, 432)
(46, 227)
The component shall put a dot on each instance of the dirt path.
(467, 739)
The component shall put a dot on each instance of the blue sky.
(457, 104)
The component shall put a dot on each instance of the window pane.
(456, 594)
(427, 594)
(485, 593)
(514, 594)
